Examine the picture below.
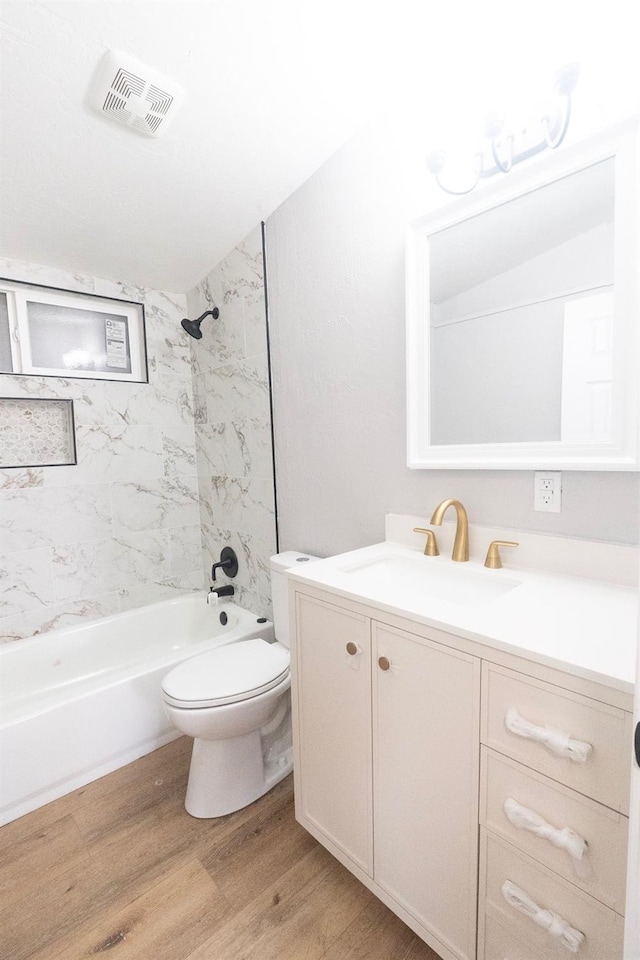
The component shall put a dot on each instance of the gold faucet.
(461, 543)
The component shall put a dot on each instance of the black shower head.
(193, 326)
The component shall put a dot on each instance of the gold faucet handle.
(431, 546)
(493, 559)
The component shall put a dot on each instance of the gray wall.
(335, 274)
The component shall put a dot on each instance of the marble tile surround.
(168, 472)
(233, 422)
(122, 528)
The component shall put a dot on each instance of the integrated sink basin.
(429, 577)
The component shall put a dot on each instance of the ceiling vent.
(130, 92)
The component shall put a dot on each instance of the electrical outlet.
(547, 491)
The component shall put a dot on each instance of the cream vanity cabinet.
(423, 763)
(387, 759)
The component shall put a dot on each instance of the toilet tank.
(280, 562)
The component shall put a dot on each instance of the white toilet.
(235, 701)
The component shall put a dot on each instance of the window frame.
(19, 293)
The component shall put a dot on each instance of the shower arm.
(215, 313)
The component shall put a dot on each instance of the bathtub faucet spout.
(214, 592)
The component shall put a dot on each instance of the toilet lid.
(227, 674)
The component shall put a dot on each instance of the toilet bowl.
(235, 702)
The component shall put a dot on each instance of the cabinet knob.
(352, 648)
(384, 663)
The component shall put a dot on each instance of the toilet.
(235, 702)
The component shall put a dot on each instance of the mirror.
(522, 320)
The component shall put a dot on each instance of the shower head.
(193, 326)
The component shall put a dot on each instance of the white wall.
(335, 274)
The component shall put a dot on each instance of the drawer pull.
(562, 837)
(564, 933)
(559, 743)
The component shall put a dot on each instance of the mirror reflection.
(521, 317)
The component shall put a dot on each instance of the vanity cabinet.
(408, 768)
(386, 763)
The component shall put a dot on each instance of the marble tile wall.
(233, 421)
(122, 528)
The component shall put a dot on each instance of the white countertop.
(587, 627)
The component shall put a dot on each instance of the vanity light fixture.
(508, 147)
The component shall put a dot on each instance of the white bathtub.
(80, 702)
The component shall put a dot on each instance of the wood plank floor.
(119, 869)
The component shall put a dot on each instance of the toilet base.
(226, 775)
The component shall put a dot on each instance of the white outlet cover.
(547, 496)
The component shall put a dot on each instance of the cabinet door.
(426, 765)
(332, 726)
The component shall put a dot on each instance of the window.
(57, 333)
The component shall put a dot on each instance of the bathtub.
(82, 701)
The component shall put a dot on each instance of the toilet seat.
(229, 674)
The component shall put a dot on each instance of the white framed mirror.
(523, 318)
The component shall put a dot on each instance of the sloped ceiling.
(272, 89)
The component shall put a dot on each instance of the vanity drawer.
(501, 863)
(602, 870)
(537, 706)
(500, 943)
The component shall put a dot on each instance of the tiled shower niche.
(36, 432)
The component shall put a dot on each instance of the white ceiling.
(272, 88)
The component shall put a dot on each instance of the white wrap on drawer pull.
(568, 936)
(563, 837)
(554, 740)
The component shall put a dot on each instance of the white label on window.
(116, 333)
